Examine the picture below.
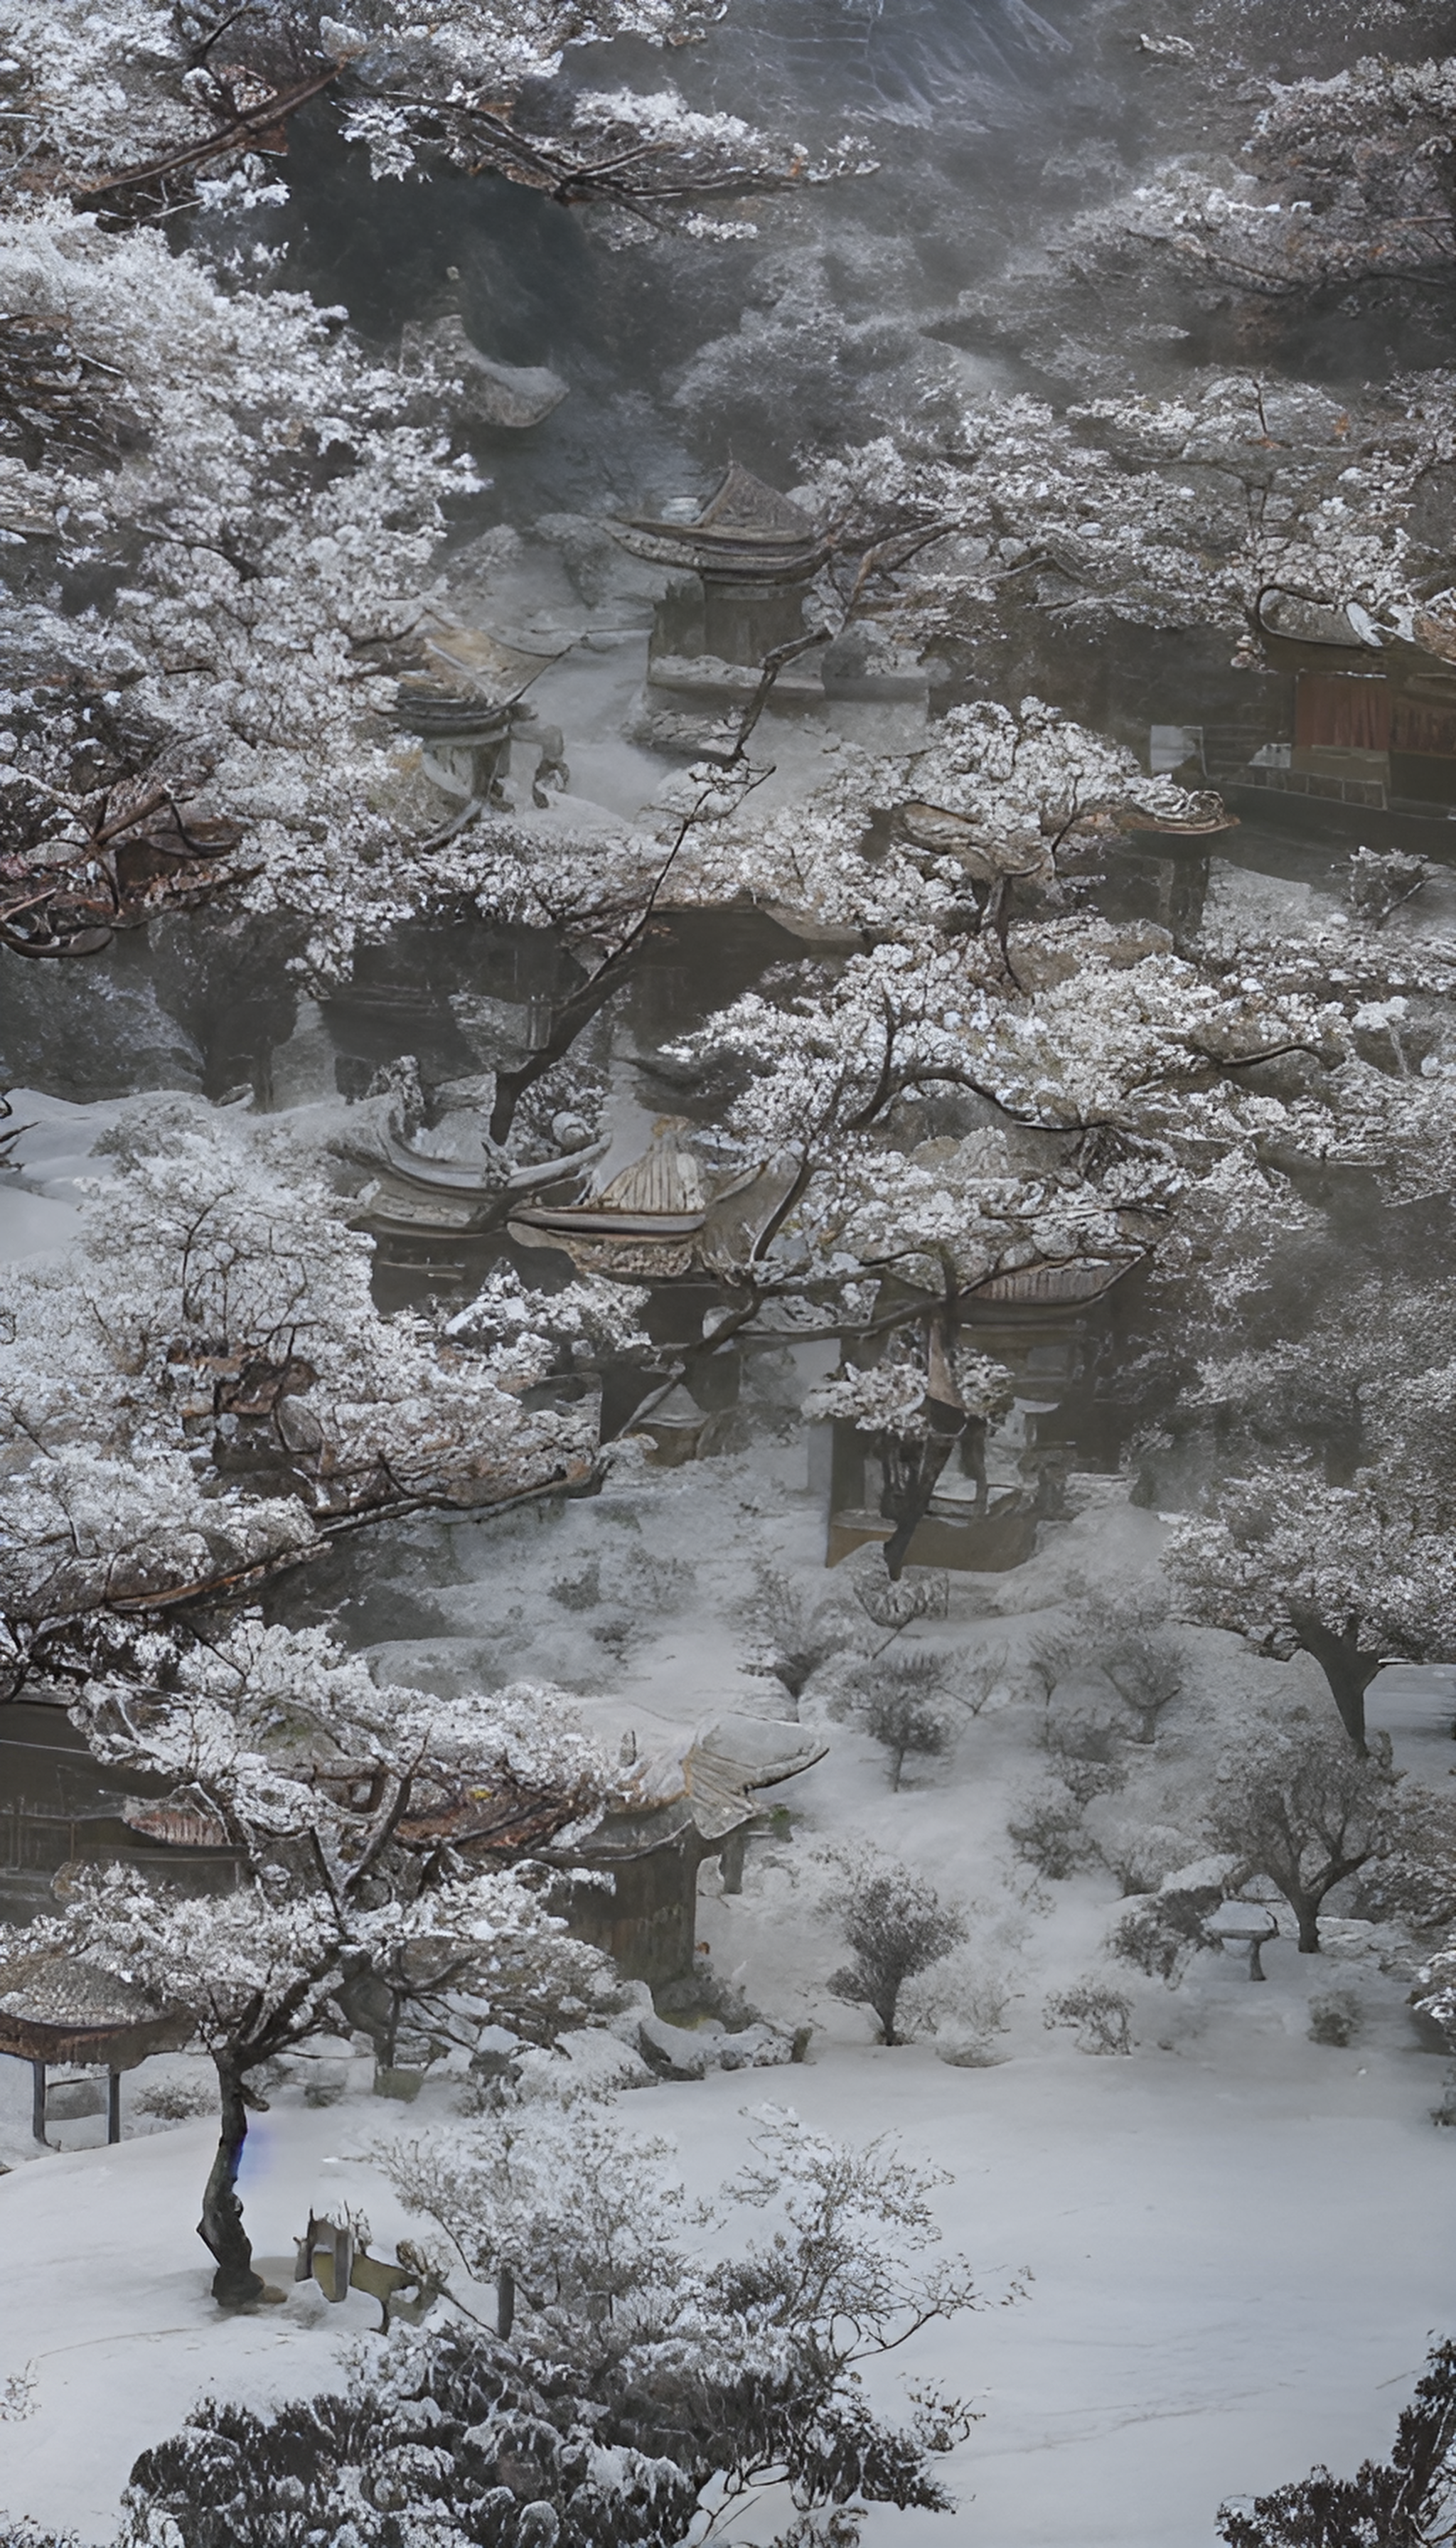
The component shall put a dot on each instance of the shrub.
(896, 1925)
(1164, 1932)
(1102, 2016)
(177, 2101)
(1047, 1833)
(1334, 2018)
(1141, 1855)
(794, 1635)
(1397, 2503)
(905, 1711)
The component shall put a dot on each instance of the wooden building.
(1374, 712)
(687, 1805)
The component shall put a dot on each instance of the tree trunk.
(1348, 1671)
(220, 2229)
(909, 1488)
(1308, 1916)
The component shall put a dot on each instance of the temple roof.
(745, 528)
(56, 2007)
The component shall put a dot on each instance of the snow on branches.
(204, 1383)
(1166, 513)
(107, 98)
(1341, 179)
(1104, 1075)
(980, 811)
(357, 1819)
(1354, 1574)
(589, 2230)
(272, 512)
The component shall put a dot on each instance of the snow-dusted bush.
(1047, 1830)
(962, 2001)
(1085, 1746)
(177, 2101)
(895, 1926)
(1122, 1638)
(903, 1701)
(793, 1633)
(1407, 2498)
(1334, 2017)
(1165, 1930)
(444, 2435)
(1139, 1853)
(1102, 2016)
(745, 2364)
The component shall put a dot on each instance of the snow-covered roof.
(725, 1764)
(58, 2007)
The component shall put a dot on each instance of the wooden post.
(343, 2260)
(38, 2100)
(504, 2303)
(113, 2106)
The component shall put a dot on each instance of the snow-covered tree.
(1356, 1576)
(155, 98)
(1172, 513)
(205, 1385)
(971, 826)
(895, 1926)
(643, 2379)
(746, 2368)
(358, 1817)
(1299, 1808)
(1340, 180)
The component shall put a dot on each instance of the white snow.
(1236, 2236)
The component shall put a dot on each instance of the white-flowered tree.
(370, 1830)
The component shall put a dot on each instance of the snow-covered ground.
(1238, 2236)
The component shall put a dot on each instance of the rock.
(305, 2304)
(672, 2052)
(863, 662)
(754, 2047)
(509, 395)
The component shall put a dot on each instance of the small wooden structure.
(665, 1215)
(336, 2255)
(1375, 712)
(56, 2007)
(684, 1806)
(755, 552)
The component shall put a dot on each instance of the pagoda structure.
(755, 553)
